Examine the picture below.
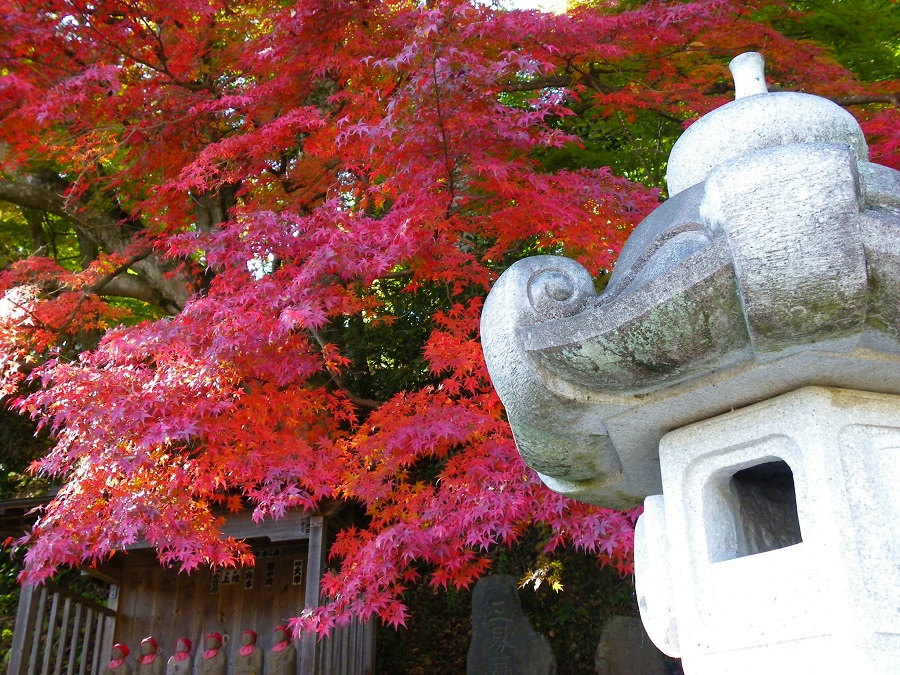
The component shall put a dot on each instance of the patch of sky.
(550, 6)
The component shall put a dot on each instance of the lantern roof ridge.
(776, 266)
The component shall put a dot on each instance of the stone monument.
(626, 649)
(740, 373)
(503, 640)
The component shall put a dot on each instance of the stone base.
(625, 649)
(814, 656)
(776, 544)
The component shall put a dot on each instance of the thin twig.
(358, 400)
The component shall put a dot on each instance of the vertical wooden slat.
(86, 652)
(201, 584)
(351, 646)
(356, 649)
(25, 628)
(322, 663)
(112, 602)
(38, 632)
(209, 610)
(49, 633)
(158, 604)
(75, 641)
(235, 597)
(359, 649)
(347, 649)
(344, 648)
(370, 648)
(359, 646)
(183, 588)
(63, 635)
(337, 651)
(109, 630)
(252, 611)
(314, 566)
(363, 645)
(341, 655)
(86, 642)
(132, 594)
(98, 643)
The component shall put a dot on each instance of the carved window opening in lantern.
(766, 508)
(751, 510)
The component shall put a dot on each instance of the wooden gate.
(58, 632)
(349, 650)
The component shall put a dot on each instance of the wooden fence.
(60, 632)
(347, 651)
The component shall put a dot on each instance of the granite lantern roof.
(775, 264)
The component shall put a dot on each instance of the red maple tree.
(283, 183)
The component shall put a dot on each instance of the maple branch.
(95, 288)
(635, 147)
(160, 52)
(535, 84)
(448, 163)
(132, 286)
(102, 283)
(666, 116)
(169, 286)
(31, 315)
(313, 188)
(893, 99)
(590, 78)
(339, 382)
(162, 68)
(399, 274)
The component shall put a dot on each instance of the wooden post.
(109, 624)
(314, 567)
(26, 617)
(98, 644)
(62, 641)
(76, 640)
(50, 634)
(86, 642)
(37, 632)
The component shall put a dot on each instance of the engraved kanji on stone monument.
(503, 640)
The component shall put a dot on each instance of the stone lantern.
(741, 375)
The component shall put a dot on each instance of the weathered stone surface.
(802, 279)
(625, 649)
(778, 523)
(503, 641)
(778, 267)
(757, 120)
(775, 265)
